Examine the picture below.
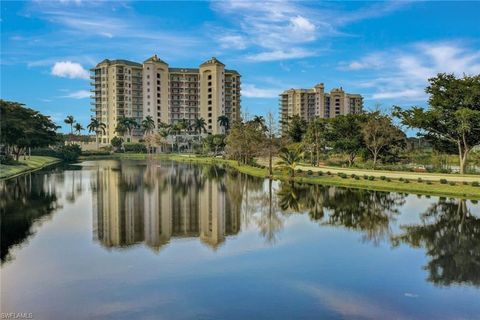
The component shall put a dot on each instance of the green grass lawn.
(35, 162)
(456, 189)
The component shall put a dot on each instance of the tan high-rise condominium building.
(310, 103)
(117, 92)
(171, 94)
(128, 89)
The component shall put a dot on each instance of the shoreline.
(27, 166)
(433, 188)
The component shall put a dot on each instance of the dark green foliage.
(371, 178)
(24, 128)
(443, 181)
(309, 172)
(296, 128)
(7, 159)
(475, 184)
(69, 153)
(134, 147)
(382, 177)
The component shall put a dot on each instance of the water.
(164, 240)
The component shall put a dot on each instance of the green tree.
(23, 128)
(79, 128)
(126, 125)
(345, 135)
(453, 117)
(148, 124)
(224, 121)
(97, 127)
(244, 141)
(117, 142)
(70, 121)
(315, 138)
(289, 159)
(296, 127)
(379, 133)
(199, 125)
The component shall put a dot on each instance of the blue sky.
(383, 50)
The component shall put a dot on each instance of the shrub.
(371, 178)
(87, 153)
(329, 173)
(429, 182)
(309, 172)
(365, 177)
(406, 181)
(342, 175)
(443, 181)
(134, 147)
(7, 159)
(383, 178)
(299, 171)
(475, 184)
(452, 183)
(320, 173)
(68, 153)
(401, 179)
(389, 180)
(353, 175)
(357, 178)
(420, 180)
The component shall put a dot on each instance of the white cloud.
(402, 73)
(232, 42)
(251, 91)
(286, 30)
(281, 55)
(81, 94)
(69, 69)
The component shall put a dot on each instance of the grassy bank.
(383, 183)
(31, 164)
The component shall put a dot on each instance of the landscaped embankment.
(26, 165)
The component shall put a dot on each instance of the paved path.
(396, 174)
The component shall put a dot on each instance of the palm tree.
(70, 120)
(200, 125)
(224, 121)
(79, 128)
(259, 121)
(148, 124)
(126, 125)
(183, 124)
(289, 159)
(97, 127)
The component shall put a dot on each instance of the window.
(209, 102)
(158, 82)
(209, 89)
(210, 121)
(209, 83)
(158, 75)
(209, 96)
(210, 115)
(209, 77)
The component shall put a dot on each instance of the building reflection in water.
(160, 201)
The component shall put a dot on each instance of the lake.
(166, 240)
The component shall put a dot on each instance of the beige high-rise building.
(310, 103)
(172, 94)
(117, 92)
(124, 88)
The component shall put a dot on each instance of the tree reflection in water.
(364, 210)
(451, 236)
(23, 201)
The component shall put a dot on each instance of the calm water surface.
(165, 240)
